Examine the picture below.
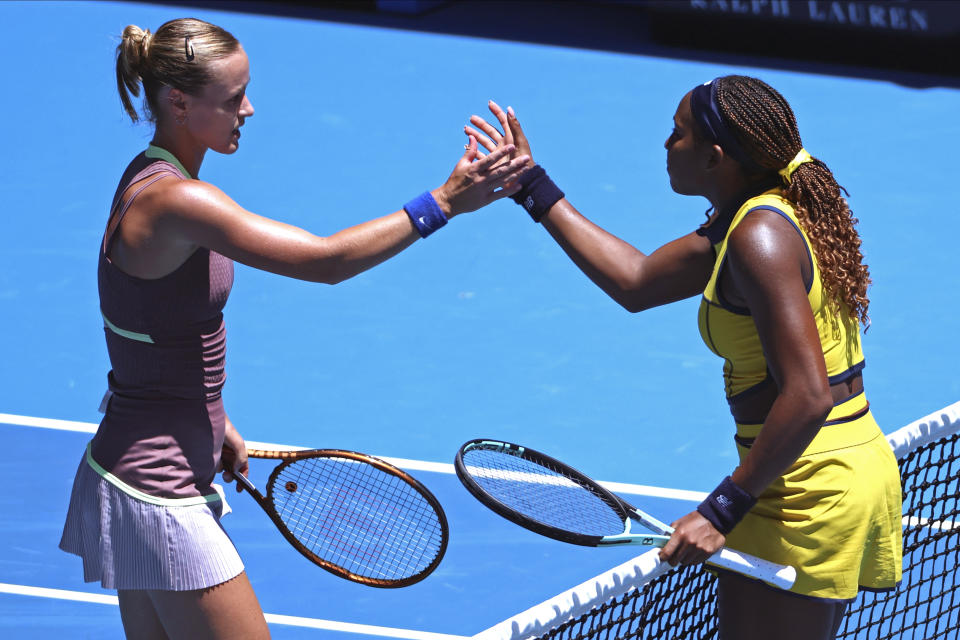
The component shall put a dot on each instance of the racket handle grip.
(777, 575)
(243, 482)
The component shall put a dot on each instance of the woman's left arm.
(766, 265)
(766, 257)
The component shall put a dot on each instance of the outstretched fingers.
(495, 157)
(487, 143)
(517, 136)
(490, 137)
(501, 116)
(513, 126)
(489, 129)
(502, 179)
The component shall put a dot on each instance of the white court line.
(273, 618)
(943, 525)
(403, 463)
(48, 423)
(436, 467)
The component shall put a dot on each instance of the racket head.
(539, 492)
(358, 517)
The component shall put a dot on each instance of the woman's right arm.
(680, 269)
(187, 214)
(204, 216)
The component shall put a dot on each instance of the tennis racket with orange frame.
(354, 515)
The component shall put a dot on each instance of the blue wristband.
(726, 506)
(537, 192)
(425, 214)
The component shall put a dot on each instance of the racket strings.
(351, 520)
(354, 515)
(349, 526)
(542, 492)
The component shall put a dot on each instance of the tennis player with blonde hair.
(144, 513)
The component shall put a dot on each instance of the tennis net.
(648, 600)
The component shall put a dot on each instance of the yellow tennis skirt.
(835, 514)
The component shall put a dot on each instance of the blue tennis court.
(485, 329)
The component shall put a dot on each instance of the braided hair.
(766, 128)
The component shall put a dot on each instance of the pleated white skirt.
(128, 543)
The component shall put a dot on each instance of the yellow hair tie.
(799, 159)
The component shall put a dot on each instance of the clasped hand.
(478, 179)
(481, 178)
(694, 540)
(493, 139)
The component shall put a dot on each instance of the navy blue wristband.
(425, 213)
(537, 192)
(726, 506)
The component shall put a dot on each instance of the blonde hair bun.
(166, 59)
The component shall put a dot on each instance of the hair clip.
(188, 49)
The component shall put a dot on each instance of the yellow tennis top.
(729, 331)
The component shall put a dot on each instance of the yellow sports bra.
(729, 331)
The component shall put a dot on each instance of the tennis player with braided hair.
(144, 513)
(783, 297)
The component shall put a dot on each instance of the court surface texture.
(484, 329)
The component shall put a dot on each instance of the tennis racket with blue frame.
(548, 497)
